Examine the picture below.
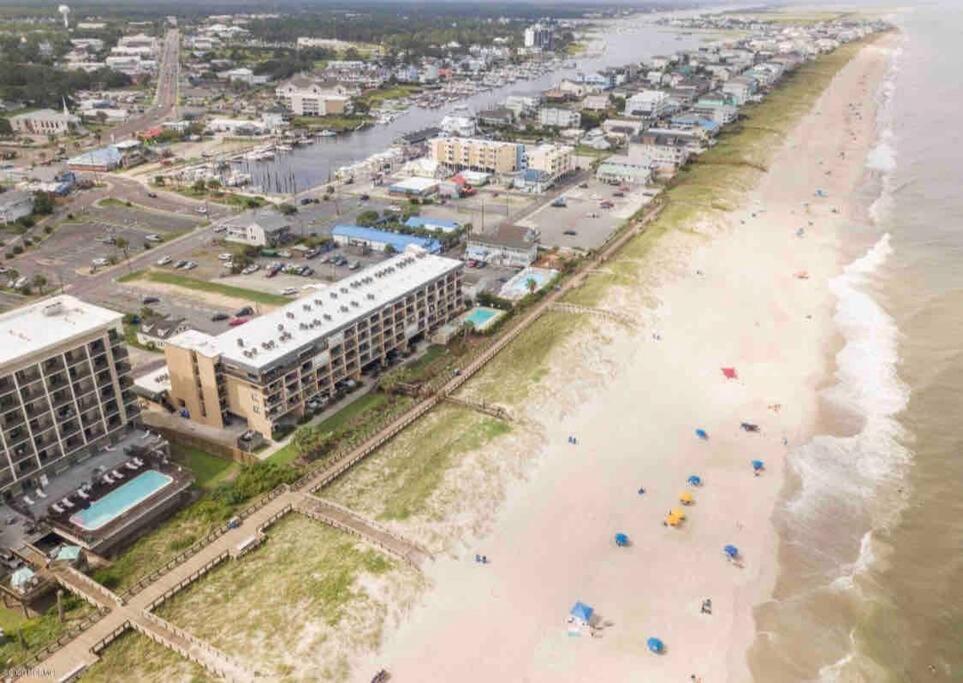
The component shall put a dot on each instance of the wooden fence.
(187, 580)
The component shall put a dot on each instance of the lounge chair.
(43, 480)
(147, 434)
(130, 465)
(66, 502)
(82, 494)
(109, 449)
(140, 463)
(40, 493)
(116, 474)
(26, 499)
(56, 508)
(107, 480)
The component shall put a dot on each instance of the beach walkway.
(601, 312)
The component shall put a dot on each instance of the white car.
(225, 257)
(219, 228)
(163, 260)
(201, 210)
(289, 291)
(154, 237)
(99, 262)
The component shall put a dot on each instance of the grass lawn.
(393, 92)
(206, 286)
(209, 470)
(327, 599)
(26, 635)
(228, 491)
(398, 481)
(134, 657)
(360, 412)
(337, 123)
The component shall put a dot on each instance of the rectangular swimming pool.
(481, 317)
(120, 500)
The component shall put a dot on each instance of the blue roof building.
(103, 159)
(381, 239)
(426, 223)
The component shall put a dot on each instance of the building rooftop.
(269, 338)
(48, 323)
(268, 221)
(397, 240)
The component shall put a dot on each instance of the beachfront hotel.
(64, 388)
(269, 369)
(476, 154)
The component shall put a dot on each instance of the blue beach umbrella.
(655, 645)
(695, 480)
(702, 434)
(758, 465)
(621, 539)
(731, 551)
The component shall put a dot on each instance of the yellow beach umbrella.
(672, 520)
(678, 512)
(686, 498)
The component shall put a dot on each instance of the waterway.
(616, 43)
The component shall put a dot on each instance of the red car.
(234, 322)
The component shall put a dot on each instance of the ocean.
(870, 586)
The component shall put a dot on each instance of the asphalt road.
(165, 97)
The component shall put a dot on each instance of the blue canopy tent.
(621, 539)
(694, 480)
(655, 645)
(702, 434)
(582, 612)
(731, 551)
(758, 465)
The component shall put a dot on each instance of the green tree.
(311, 442)
(40, 282)
(43, 203)
(368, 217)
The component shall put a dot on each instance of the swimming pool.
(120, 500)
(518, 286)
(481, 317)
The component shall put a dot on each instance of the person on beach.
(641, 490)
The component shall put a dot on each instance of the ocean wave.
(846, 475)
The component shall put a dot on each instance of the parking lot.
(583, 223)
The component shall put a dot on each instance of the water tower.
(65, 13)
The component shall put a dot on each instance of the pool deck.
(485, 324)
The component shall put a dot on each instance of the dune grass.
(134, 657)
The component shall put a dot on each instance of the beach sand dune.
(551, 543)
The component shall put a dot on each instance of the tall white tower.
(65, 13)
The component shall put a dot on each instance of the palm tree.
(531, 285)
(122, 244)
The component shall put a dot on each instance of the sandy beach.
(748, 291)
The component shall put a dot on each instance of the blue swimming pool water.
(120, 500)
(479, 316)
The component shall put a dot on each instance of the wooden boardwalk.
(137, 612)
(601, 312)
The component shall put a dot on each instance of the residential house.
(497, 116)
(650, 104)
(510, 245)
(257, 228)
(155, 330)
(557, 117)
(623, 168)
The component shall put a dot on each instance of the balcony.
(123, 367)
(71, 426)
(55, 381)
(6, 385)
(84, 387)
(39, 425)
(79, 372)
(74, 357)
(27, 376)
(52, 365)
(104, 378)
(73, 443)
(96, 347)
(37, 408)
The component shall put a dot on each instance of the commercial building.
(44, 122)
(381, 240)
(64, 387)
(257, 228)
(555, 161)
(479, 155)
(414, 187)
(435, 224)
(557, 117)
(269, 369)
(308, 97)
(97, 160)
(15, 204)
(510, 245)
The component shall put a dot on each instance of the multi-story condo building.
(65, 387)
(475, 154)
(309, 97)
(651, 104)
(555, 160)
(270, 368)
(539, 36)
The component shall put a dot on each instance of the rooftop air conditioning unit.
(371, 296)
(240, 342)
(327, 316)
(290, 315)
(280, 326)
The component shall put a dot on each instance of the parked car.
(150, 300)
(225, 256)
(163, 260)
(584, 186)
(289, 291)
(253, 268)
(99, 262)
(284, 253)
(152, 195)
(245, 311)
(154, 237)
(234, 322)
(217, 317)
(190, 265)
(618, 193)
(606, 204)
(364, 197)
(201, 210)
(571, 233)
(354, 265)
(180, 264)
